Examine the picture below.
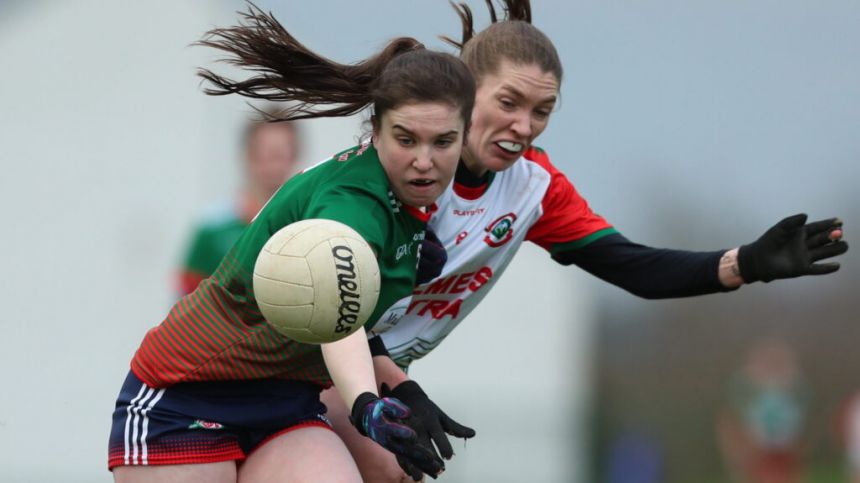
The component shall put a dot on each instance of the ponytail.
(287, 71)
(512, 38)
(513, 10)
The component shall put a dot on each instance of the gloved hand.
(791, 248)
(432, 258)
(382, 420)
(428, 421)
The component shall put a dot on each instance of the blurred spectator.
(270, 151)
(849, 430)
(761, 429)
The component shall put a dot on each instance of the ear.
(374, 135)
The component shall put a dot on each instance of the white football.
(316, 281)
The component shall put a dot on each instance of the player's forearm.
(648, 272)
(387, 371)
(350, 366)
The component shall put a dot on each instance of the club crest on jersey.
(500, 231)
(200, 424)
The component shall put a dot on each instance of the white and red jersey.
(482, 229)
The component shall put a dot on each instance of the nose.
(522, 125)
(423, 160)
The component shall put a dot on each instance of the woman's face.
(271, 157)
(419, 145)
(512, 108)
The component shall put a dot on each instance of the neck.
(466, 177)
(473, 165)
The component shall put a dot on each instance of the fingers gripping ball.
(316, 281)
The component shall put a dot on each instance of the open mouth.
(510, 147)
(421, 182)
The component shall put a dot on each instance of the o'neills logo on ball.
(348, 288)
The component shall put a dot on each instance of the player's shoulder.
(353, 175)
(357, 166)
(533, 165)
(360, 162)
(538, 162)
(361, 153)
(537, 157)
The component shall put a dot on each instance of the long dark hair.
(287, 71)
(510, 37)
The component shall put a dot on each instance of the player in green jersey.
(214, 384)
(270, 157)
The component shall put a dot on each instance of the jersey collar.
(418, 213)
(468, 186)
(422, 215)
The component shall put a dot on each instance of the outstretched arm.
(789, 249)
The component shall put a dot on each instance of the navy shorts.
(207, 422)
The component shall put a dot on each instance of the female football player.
(214, 393)
(506, 191)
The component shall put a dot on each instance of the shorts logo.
(500, 231)
(461, 237)
(200, 424)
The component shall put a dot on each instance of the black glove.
(790, 249)
(382, 420)
(427, 419)
(432, 258)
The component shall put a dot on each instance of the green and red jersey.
(218, 333)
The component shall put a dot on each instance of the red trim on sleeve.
(469, 192)
(566, 215)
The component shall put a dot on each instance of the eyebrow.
(398, 126)
(516, 92)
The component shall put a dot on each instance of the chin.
(424, 200)
(420, 203)
(497, 165)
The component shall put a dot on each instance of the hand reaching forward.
(383, 420)
(791, 248)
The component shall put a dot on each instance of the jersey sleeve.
(567, 222)
(357, 209)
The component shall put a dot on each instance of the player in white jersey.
(482, 229)
(505, 192)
